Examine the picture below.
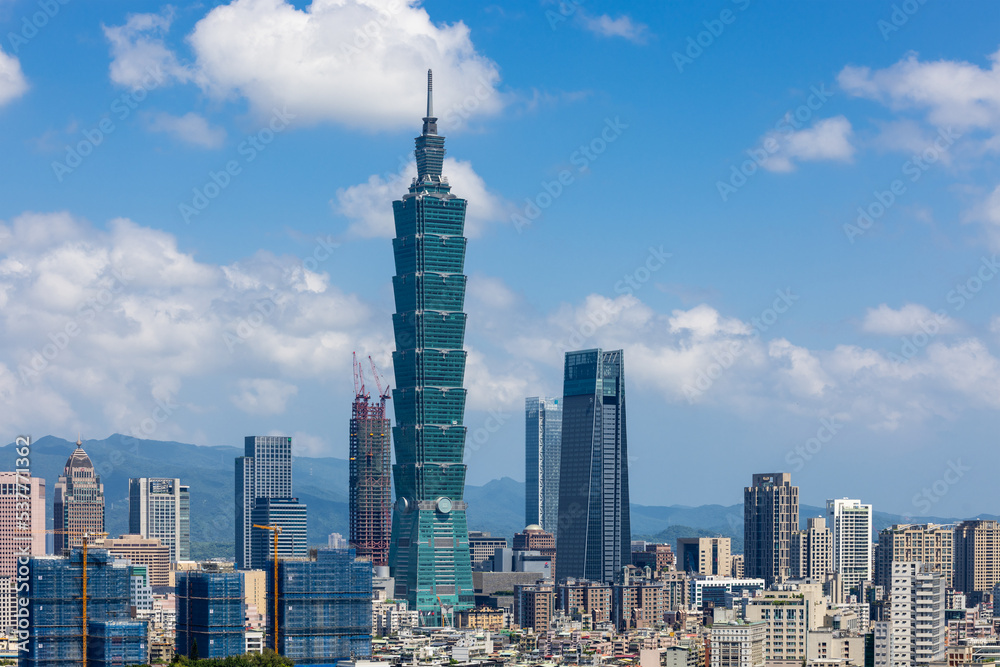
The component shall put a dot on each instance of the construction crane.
(382, 395)
(85, 542)
(277, 531)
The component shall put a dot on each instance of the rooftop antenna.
(430, 93)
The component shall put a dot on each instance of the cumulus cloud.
(362, 63)
(906, 320)
(190, 128)
(263, 396)
(623, 27)
(12, 81)
(827, 139)
(952, 93)
(139, 53)
(100, 325)
(368, 205)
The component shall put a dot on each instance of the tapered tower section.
(429, 552)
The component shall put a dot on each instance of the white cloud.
(361, 63)
(953, 93)
(987, 212)
(368, 205)
(827, 139)
(12, 81)
(140, 55)
(190, 128)
(109, 322)
(908, 319)
(261, 396)
(623, 27)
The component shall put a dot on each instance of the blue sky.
(224, 244)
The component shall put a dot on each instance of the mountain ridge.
(496, 507)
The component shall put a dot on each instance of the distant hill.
(496, 507)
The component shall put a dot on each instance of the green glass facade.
(429, 551)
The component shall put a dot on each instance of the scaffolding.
(210, 612)
(370, 457)
(79, 612)
(324, 608)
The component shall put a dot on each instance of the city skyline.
(819, 313)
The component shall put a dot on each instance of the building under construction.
(370, 490)
(79, 615)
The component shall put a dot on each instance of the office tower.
(324, 608)
(138, 550)
(22, 534)
(56, 613)
(22, 519)
(705, 555)
(533, 606)
(812, 550)
(370, 493)
(594, 538)
(770, 516)
(264, 471)
(977, 558)
(161, 507)
(210, 612)
(289, 515)
(851, 529)
(738, 644)
(929, 544)
(542, 441)
(533, 538)
(336, 541)
(915, 630)
(429, 551)
(78, 502)
(482, 546)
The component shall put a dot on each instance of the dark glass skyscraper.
(429, 551)
(542, 440)
(595, 535)
(770, 516)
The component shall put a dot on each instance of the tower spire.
(430, 93)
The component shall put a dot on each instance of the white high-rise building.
(264, 471)
(738, 644)
(161, 508)
(850, 525)
(916, 630)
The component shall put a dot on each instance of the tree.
(194, 650)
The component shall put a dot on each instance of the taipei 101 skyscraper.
(429, 551)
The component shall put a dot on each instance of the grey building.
(289, 515)
(160, 507)
(264, 471)
(770, 516)
(542, 444)
(594, 540)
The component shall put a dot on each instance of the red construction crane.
(382, 395)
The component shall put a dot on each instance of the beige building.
(739, 567)
(812, 550)
(788, 616)
(142, 551)
(977, 557)
(22, 534)
(705, 555)
(930, 544)
(639, 604)
(589, 597)
(255, 597)
(827, 645)
(533, 607)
